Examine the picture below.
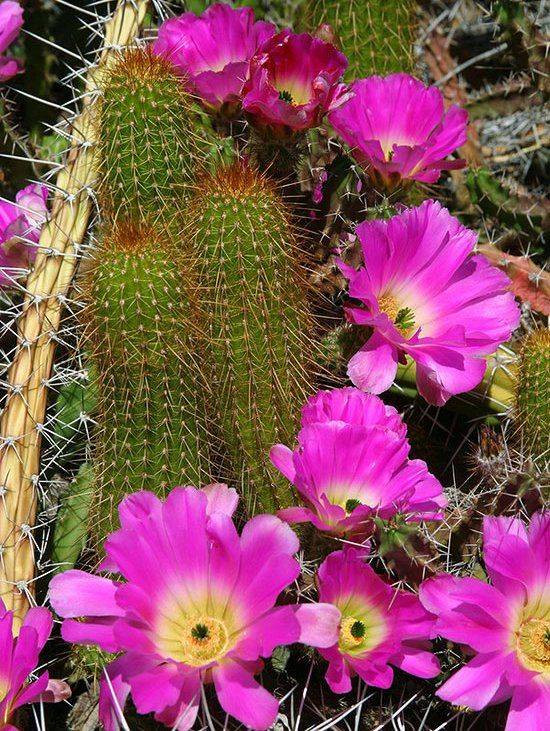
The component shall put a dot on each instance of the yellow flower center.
(361, 630)
(402, 317)
(533, 644)
(352, 633)
(204, 640)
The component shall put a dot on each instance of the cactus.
(71, 525)
(376, 36)
(258, 321)
(150, 140)
(140, 335)
(532, 407)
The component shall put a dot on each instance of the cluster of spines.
(377, 36)
(532, 407)
(258, 322)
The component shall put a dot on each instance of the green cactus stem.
(258, 323)
(377, 36)
(141, 336)
(532, 407)
(151, 142)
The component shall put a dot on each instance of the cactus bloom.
(11, 20)
(19, 658)
(352, 465)
(213, 51)
(506, 624)
(185, 617)
(399, 130)
(20, 225)
(380, 626)
(426, 297)
(294, 81)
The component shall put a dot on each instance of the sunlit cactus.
(533, 395)
(258, 322)
(142, 319)
(376, 36)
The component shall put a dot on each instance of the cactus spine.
(258, 322)
(141, 337)
(533, 395)
(377, 36)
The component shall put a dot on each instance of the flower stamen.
(533, 644)
(203, 640)
(402, 317)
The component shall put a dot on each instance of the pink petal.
(530, 709)
(319, 624)
(373, 368)
(242, 697)
(282, 458)
(477, 683)
(221, 499)
(75, 593)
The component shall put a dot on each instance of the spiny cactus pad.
(151, 142)
(258, 322)
(533, 395)
(142, 315)
(377, 36)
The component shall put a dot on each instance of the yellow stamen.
(402, 317)
(204, 639)
(533, 644)
(352, 633)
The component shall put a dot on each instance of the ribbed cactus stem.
(141, 338)
(377, 36)
(258, 322)
(533, 395)
(151, 142)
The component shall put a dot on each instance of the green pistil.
(357, 629)
(286, 96)
(199, 632)
(547, 636)
(404, 319)
(351, 504)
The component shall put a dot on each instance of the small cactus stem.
(142, 337)
(150, 141)
(258, 323)
(495, 393)
(377, 36)
(532, 397)
(47, 286)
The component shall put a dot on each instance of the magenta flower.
(19, 658)
(352, 465)
(20, 225)
(398, 128)
(506, 625)
(197, 606)
(11, 20)
(380, 626)
(294, 82)
(213, 51)
(425, 296)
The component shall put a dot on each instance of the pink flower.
(380, 626)
(11, 20)
(352, 465)
(197, 606)
(425, 296)
(213, 51)
(19, 658)
(20, 225)
(398, 128)
(294, 82)
(506, 625)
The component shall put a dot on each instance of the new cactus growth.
(258, 322)
(140, 335)
(376, 36)
(150, 141)
(533, 395)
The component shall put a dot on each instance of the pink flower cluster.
(20, 225)
(285, 81)
(11, 20)
(18, 659)
(352, 465)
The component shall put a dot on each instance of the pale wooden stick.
(47, 286)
